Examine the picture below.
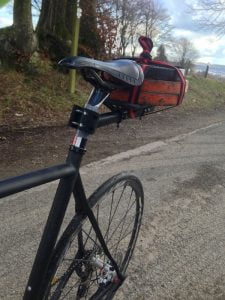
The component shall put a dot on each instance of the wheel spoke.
(119, 225)
(124, 218)
(97, 216)
(113, 207)
(87, 235)
(117, 206)
(69, 291)
(123, 237)
(98, 247)
(110, 214)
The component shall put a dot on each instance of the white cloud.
(206, 59)
(209, 46)
(184, 33)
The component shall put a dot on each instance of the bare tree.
(124, 20)
(135, 33)
(210, 14)
(185, 53)
(156, 21)
(140, 17)
(124, 23)
(107, 28)
(127, 20)
(134, 24)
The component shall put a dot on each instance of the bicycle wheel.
(79, 269)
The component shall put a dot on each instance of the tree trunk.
(89, 37)
(54, 29)
(53, 18)
(17, 42)
(23, 27)
(55, 25)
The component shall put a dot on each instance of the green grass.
(204, 93)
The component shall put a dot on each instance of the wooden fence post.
(206, 71)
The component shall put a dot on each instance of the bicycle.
(91, 257)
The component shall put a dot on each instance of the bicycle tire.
(129, 184)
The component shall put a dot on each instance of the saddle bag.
(164, 84)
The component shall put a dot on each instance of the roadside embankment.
(42, 99)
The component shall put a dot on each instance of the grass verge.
(204, 94)
(43, 99)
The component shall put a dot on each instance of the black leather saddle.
(125, 70)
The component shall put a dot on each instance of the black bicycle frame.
(70, 183)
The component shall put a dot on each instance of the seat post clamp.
(83, 119)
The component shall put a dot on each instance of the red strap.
(132, 100)
(146, 43)
(135, 94)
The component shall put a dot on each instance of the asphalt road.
(180, 252)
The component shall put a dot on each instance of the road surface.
(181, 248)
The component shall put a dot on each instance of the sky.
(5, 17)
(211, 48)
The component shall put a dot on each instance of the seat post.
(97, 97)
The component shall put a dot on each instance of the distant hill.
(217, 70)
